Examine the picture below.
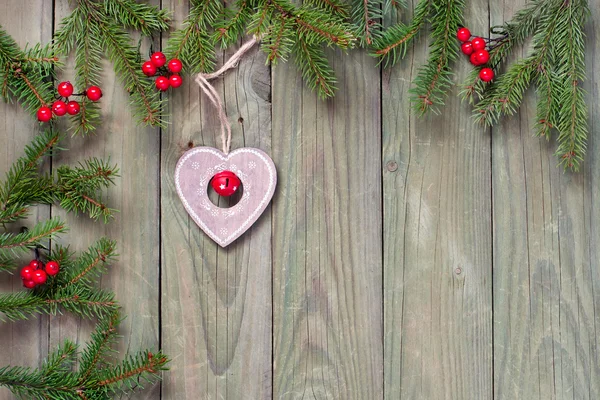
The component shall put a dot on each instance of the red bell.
(225, 183)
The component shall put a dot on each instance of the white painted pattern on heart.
(223, 241)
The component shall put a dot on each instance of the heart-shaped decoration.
(193, 173)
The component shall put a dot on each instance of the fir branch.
(146, 366)
(366, 15)
(315, 69)
(192, 43)
(279, 41)
(139, 16)
(572, 115)
(31, 237)
(90, 264)
(335, 7)
(434, 78)
(101, 339)
(393, 44)
(99, 27)
(232, 23)
(507, 93)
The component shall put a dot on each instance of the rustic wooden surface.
(402, 258)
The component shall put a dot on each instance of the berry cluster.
(36, 273)
(167, 77)
(63, 106)
(476, 49)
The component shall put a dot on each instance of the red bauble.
(44, 114)
(463, 34)
(175, 81)
(29, 284)
(175, 66)
(52, 268)
(27, 273)
(148, 68)
(478, 43)
(35, 264)
(225, 183)
(467, 48)
(158, 59)
(65, 89)
(40, 277)
(59, 108)
(486, 74)
(94, 93)
(73, 108)
(162, 83)
(482, 56)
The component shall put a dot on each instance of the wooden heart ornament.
(193, 173)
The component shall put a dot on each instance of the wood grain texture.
(327, 235)
(437, 241)
(403, 258)
(216, 303)
(134, 277)
(25, 342)
(546, 276)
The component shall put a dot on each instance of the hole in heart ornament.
(193, 174)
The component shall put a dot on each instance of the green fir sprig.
(25, 75)
(555, 66)
(69, 374)
(95, 28)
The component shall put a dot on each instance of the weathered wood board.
(402, 258)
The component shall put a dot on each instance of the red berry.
(29, 284)
(162, 83)
(158, 59)
(73, 108)
(52, 268)
(59, 108)
(94, 93)
(44, 114)
(35, 264)
(467, 48)
(175, 66)
(175, 81)
(463, 34)
(482, 56)
(65, 89)
(225, 183)
(474, 59)
(148, 68)
(40, 276)
(27, 273)
(486, 74)
(478, 43)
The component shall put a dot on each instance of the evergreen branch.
(506, 94)
(434, 78)
(335, 7)
(316, 71)
(139, 16)
(231, 25)
(393, 44)
(192, 43)
(31, 237)
(7, 264)
(101, 339)
(572, 115)
(366, 15)
(61, 360)
(124, 57)
(278, 42)
(90, 264)
(145, 365)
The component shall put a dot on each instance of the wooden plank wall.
(402, 258)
